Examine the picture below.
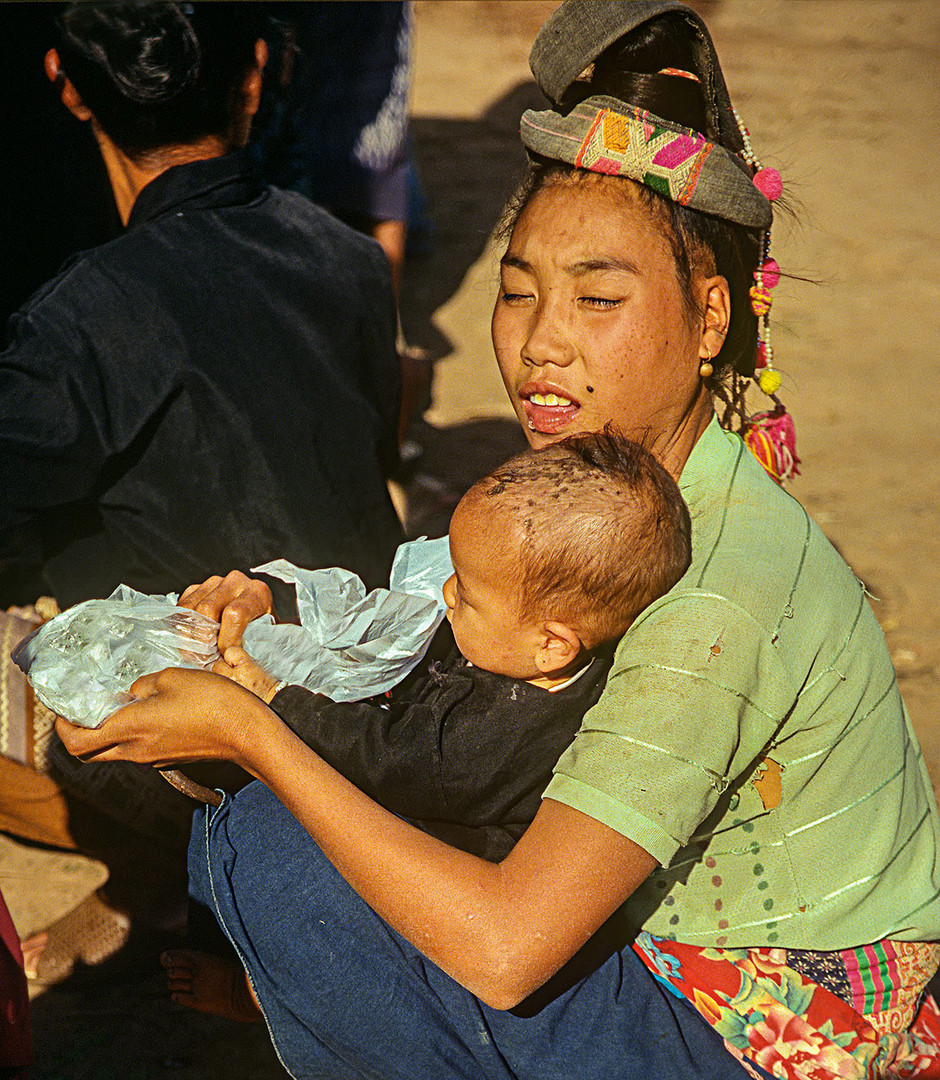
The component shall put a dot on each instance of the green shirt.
(766, 649)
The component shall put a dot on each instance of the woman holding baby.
(734, 868)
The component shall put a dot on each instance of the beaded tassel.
(770, 435)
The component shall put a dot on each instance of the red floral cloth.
(780, 1022)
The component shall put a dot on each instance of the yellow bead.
(769, 381)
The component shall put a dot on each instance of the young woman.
(734, 869)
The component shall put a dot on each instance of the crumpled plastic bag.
(352, 644)
(81, 663)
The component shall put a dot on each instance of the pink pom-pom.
(770, 273)
(771, 437)
(768, 183)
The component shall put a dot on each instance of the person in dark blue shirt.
(216, 387)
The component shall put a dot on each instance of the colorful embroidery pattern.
(636, 145)
(789, 1026)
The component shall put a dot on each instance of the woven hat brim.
(605, 135)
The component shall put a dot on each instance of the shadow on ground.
(116, 1022)
(468, 169)
(453, 459)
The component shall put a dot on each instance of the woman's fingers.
(178, 715)
(235, 656)
(145, 686)
(254, 601)
(136, 731)
(233, 601)
(87, 744)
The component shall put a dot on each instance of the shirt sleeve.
(380, 368)
(51, 418)
(695, 694)
(71, 401)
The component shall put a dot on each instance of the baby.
(554, 554)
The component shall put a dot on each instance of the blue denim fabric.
(345, 996)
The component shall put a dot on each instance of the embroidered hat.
(607, 135)
(714, 171)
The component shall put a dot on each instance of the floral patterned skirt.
(858, 1013)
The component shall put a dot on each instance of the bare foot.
(32, 948)
(210, 984)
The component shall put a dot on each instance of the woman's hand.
(182, 715)
(239, 667)
(233, 601)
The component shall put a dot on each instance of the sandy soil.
(841, 95)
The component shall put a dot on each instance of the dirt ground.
(842, 97)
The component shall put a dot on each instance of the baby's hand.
(239, 667)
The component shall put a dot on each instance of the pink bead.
(770, 273)
(761, 361)
(768, 183)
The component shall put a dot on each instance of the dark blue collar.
(220, 181)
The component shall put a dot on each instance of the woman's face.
(591, 326)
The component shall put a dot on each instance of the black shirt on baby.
(462, 753)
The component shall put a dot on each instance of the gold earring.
(705, 369)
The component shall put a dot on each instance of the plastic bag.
(82, 662)
(352, 644)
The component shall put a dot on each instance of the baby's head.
(557, 551)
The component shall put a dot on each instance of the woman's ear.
(559, 646)
(70, 96)
(716, 316)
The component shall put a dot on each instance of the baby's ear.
(559, 646)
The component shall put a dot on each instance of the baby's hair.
(605, 531)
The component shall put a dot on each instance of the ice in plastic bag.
(82, 662)
(352, 644)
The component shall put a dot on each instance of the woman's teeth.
(548, 399)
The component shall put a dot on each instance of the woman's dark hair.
(630, 71)
(158, 74)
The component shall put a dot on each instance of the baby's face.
(482, 595)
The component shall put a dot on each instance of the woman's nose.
(550, 340)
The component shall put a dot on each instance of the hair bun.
(157, 57)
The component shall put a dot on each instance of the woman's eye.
(599, 301)
(513, 297)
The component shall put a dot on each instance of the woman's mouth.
(548, 410)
